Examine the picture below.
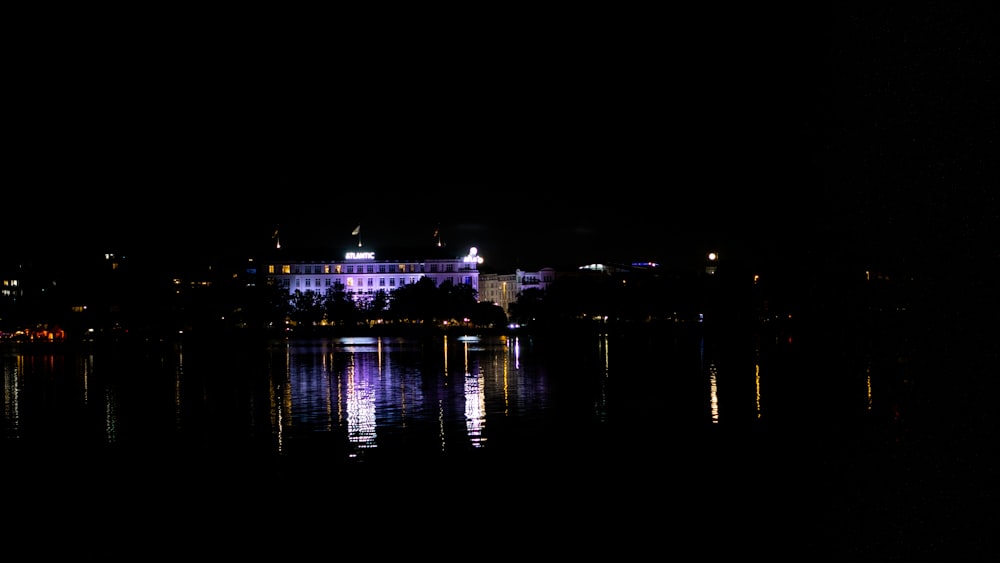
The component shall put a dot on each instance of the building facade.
(363, 274)
(500, 289)
(504, 289)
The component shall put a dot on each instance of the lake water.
(585, 444)
(361, 399)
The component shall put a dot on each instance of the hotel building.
(363, 274)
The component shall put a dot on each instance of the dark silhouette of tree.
(415, 302)
(529, 307)
(340, 310)
(585, 295)
(307, 308)
(378, 306)
(456, 301)
(488, 315)
(265, 305)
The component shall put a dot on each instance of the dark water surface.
(607, 445)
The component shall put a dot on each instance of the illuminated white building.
(504, 289)
(363, 275)
(500, 289)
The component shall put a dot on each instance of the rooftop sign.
(359, 256)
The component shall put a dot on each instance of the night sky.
(856, 133)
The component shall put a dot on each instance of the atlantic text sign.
(359, 256)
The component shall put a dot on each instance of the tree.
(307, 307)
(378, 306)
(415, 302)
(488, 315)
(266, 305)
(529, 307)
(340, 308)
(456, 301)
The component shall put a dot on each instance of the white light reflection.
(441, 433)
(329, 402)
(517, 353)
(513, 346)
(12, 395)
(713, 384)
(446, 355)
(757, 386)
(601, 406)
(86, 367)
(280, 398)
(475, 405)
(475, 409)
(504, 375)
(756, 380)
(177, 385)
(110, 415)
(361, 429)
(868, 385)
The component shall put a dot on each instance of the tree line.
(130, 297)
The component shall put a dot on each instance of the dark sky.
(851, 132)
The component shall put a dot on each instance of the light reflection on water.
(351, 398)
(724, 435)
(376, 390)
